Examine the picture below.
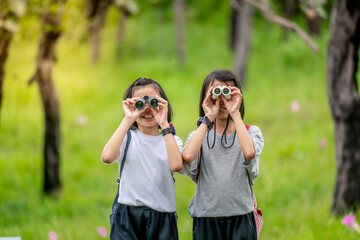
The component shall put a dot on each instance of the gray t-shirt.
(223, 185)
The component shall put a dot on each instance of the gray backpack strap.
(128, 139)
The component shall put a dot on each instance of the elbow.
(106, 158)
(187, 157)
(177, 167)
(250, 154)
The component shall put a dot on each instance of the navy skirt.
(225, 228)
(140, 222)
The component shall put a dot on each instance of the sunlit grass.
(296, 180)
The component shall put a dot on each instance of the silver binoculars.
(224, 90)
(140, 104)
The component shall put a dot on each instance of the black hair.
(222, 75)
(142, 81)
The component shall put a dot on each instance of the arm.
(232, 106)
(252, 165)
(112, 148)
(193, 147)
(172, 149)
(246, 143)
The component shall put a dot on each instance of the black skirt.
(140, 222)
(225, 228)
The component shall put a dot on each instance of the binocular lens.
(154, 103)
(226, 91)
(217, 90)
(139, 105)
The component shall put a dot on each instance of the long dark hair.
(222, 75)
(141, 81)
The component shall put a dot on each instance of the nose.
(147, 105)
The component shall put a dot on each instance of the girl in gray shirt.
(222, 156)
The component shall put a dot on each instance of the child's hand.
(129, 110)
(211, 109)
(233, 104)
(161, 113)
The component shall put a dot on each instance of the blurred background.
(66, 64)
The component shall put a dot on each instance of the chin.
(222, 115)
(149, 125)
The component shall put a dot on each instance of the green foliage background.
(296, 181)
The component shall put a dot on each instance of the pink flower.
(52, 235)
(348, 219)
(102, 231)
(323, 142)
(295, 105)
(81, 119)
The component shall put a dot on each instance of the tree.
(241, 53)
(10, 12)
(344, 100)
(127, 8)
(314, 11)
(179, 26)
(96, 13)
(288, 9)
(46, 58)
(241, 36)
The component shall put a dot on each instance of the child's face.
(223, 113)
(146, 119)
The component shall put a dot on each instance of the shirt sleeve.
(179, 142)
(191, 169)
(122, 149)
(252, 165)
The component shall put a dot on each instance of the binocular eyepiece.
(224, 90)
(140, 104)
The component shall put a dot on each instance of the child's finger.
(160, 99)
(235, 93)
(209, 91)
(134, 98)
(233, 88)
(162, 104)
(154, 111)
(224, 99)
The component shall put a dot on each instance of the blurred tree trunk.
(288, 8)
(127, 8)
(10, 12)
(179, 6)
(5, 40)
(96, 13)
(122, 25)
(313, 22)
(344, 100)
(241, 36)
(46, 58)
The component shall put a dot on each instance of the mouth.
(149, 116)
(222, 109)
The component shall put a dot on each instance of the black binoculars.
(140, 104)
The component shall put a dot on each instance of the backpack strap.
(128, 139)
(199, 165)
(115, 202)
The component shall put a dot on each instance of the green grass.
(296, 180)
